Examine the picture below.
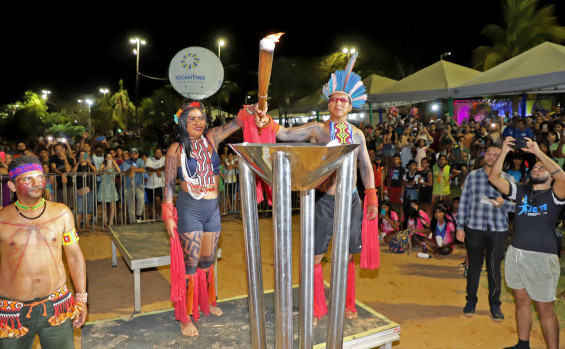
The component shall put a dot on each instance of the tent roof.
(540, 69)
(315, 102)
(432, 82)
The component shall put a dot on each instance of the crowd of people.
(423, 162)
(95, 174)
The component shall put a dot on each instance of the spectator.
(6, 192)
(84, 189)
(133, 169)
(389, 144)
(61, 165)
(155, 167)
(20, 148)
(442, 174)
(107, 193)
(443, 233)
(517, 168)
(388, 222)
(394, 182)
(231, 180)
(426, 186)
(410, 182)
(406, 143)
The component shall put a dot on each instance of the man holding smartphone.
(532, 262)
(482, 223)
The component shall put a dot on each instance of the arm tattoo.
(218, 134)
(171, 165)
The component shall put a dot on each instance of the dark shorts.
(158, 193)
(197, 215)
(324, 222)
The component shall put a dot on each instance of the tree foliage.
(525, 26)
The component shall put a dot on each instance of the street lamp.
(104, 91)
(348, 52)
(221, 43)
(137, 42)
(445, 54)
(45, 94)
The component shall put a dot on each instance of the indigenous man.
(34, 297)
(532, 263)
(343, 92)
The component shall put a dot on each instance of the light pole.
(220, 44)
(45, 94)
(89, 103)
(104, 91)
(445, 54)
(137, 42)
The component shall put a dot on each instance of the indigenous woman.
(195, 161)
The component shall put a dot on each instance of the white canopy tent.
(433, 82)
(538, 70)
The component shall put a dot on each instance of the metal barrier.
(95, 209)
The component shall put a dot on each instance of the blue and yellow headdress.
(348, 82)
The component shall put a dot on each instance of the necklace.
(201, 181)
(24, 207)
(32, 218)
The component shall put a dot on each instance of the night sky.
(75, 51)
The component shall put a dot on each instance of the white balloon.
(196, 73)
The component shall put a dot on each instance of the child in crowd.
(378, 170)
(426, 187)
(443, 233)
(395, 185)
(416, 220)
(410, 182)
(388, 221)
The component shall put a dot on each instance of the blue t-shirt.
(138, 176)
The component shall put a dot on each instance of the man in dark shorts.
(34, 233)
(341, 100)
(532, 261)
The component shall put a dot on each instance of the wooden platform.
(231, 330)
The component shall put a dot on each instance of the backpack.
(400, 242)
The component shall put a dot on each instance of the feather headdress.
(348, 82)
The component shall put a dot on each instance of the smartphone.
(85, 156)
(519, 143)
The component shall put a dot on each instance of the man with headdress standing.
(343, 92)
(34, 297)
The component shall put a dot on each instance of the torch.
(266, 50)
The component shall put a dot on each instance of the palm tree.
(525, 26)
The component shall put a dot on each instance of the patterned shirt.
(482, 215)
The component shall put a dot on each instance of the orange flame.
(273, 37)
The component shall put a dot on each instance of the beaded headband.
(191, 105)
(23, 169)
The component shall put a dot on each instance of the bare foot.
(562, 295)
(315, 322)
(215, 310)
(350, 314)
(188, 329)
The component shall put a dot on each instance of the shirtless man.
(34, 297)
(340, 103)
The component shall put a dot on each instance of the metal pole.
(340, 251)
(306, 311)
(253, 256)
(282, 227)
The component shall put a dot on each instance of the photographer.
(532, 263)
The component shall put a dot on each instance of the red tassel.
(202, 291)
(195, 296)
(251, 135)
(320, 306)
(371, 253)
(178, 278)
(350, 292)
